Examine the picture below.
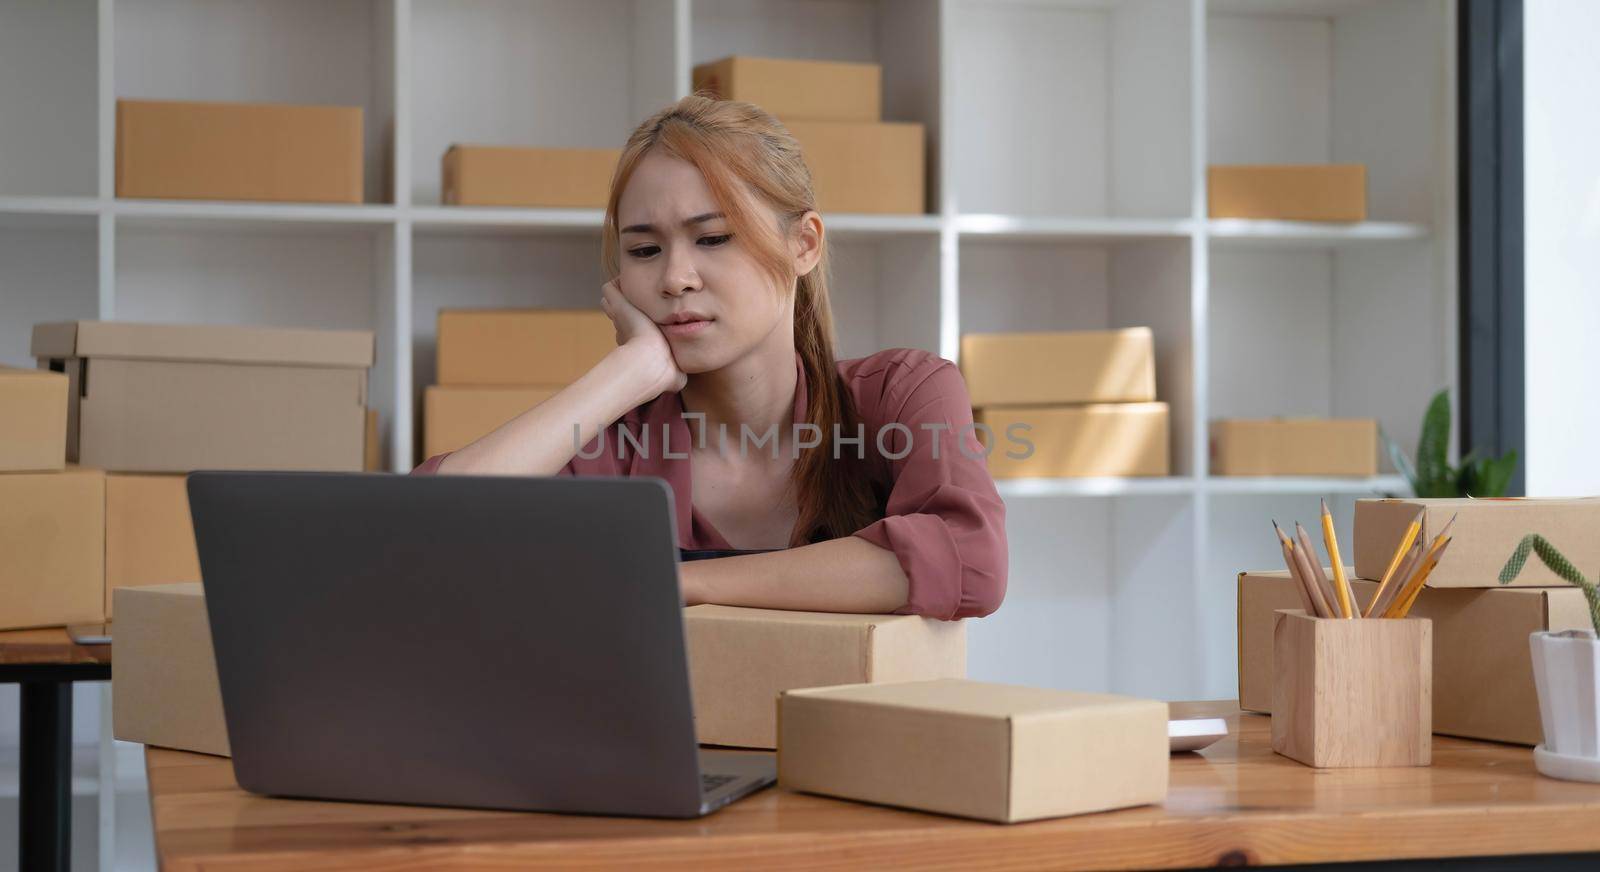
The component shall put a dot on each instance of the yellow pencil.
(1394, 562)
(1407, 567)
(1402, 604)
(1341, 584)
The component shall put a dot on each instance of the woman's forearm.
(540, 441)
(848, 574)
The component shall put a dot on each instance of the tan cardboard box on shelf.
(173, 398)
(457, 416)
(565, 178)
(520, 347)
(1482, 668)
(1289, 192)
(1067, 441)
(52, 548)
(175, 150)
(1294, 446)
(797, 89)
(372, 449)
(1080, 366)
(990, 751)
(1485, 534)
(164, 688)
(864, 166)
(741, 659)
(149, 533)
(33, 420)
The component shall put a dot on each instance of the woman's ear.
(805, 243)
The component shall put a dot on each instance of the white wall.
(1561, 131)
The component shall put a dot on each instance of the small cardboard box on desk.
(1486, 531)
(164, 686)
(991, 751)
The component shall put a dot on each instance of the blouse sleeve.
(944, 519)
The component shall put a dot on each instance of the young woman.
(863, 479)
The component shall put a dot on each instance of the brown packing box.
(864, 166)
(1485, 534)
(172, 398)
(1482, 669)
(372, 450)
(457, 416)
(33, 420)
(1082, 366)
(1092, 440)
(992, 751)
(797, 89)
(521, 347)
(52, 548)
(1294, 446)
(741, 659)
(1289, 192)
(164, 688)
(149, 533)
(484, 175)
(238, 151)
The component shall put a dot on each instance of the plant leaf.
(1433, 471)
(1402, 463)
(1558, 564)
(1494, 476)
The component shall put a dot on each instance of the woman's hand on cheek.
(635, 328)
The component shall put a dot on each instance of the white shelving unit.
(1067, 146)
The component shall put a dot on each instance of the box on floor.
(1294, 446)
(172, 398)
(33, 420)
(52, 538)
(520, 347)
(795, 90)
(457, 416)
(569, 178)
(1482, 667)
(741, 659)
(1485, 534)
(1091, 440)
(1043, 368)
(990, 751)
(239, 151)
(164, 688)
(1288, 192)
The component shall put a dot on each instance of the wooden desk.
(1236, 803)
(46, 663)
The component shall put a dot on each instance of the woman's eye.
(643, 251)
(712, 241)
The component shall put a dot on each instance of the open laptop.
(479, 641)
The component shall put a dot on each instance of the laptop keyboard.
(709, 783)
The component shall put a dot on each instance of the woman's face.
(679, 260)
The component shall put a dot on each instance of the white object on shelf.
(1566, 673)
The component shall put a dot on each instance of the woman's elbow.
(981, 593)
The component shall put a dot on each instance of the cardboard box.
(457, 416)
(741, 659)
(521, 347)
(1310, 192)
(149, 533)
(1082, 366)
(1294, 446)
(173, 398)
(572, 178)
(1482, 667)
(797, 90)
(52, 548)
(164, 688)
(1486, 533)
(864, 166)
(239, 151)
(372, 452)
(1092, 440)
(991, 751)
(33, 420)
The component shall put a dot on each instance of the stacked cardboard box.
(858, 162)
(1294, 446)
(1069, 403)
(495, 364)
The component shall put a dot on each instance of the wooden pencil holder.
(1352, 692)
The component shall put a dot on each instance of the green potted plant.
(1433, 476)
(1566, 673)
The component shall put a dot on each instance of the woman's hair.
(748, 158)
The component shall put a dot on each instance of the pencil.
(1317, 575)
(1341, 583)
(1401, 607)
(1319, 607)
(1294, 573)
(1412, 561)
(1394, 562)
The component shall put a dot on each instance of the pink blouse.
(942, 516)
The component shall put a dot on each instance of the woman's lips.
(687, 328)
